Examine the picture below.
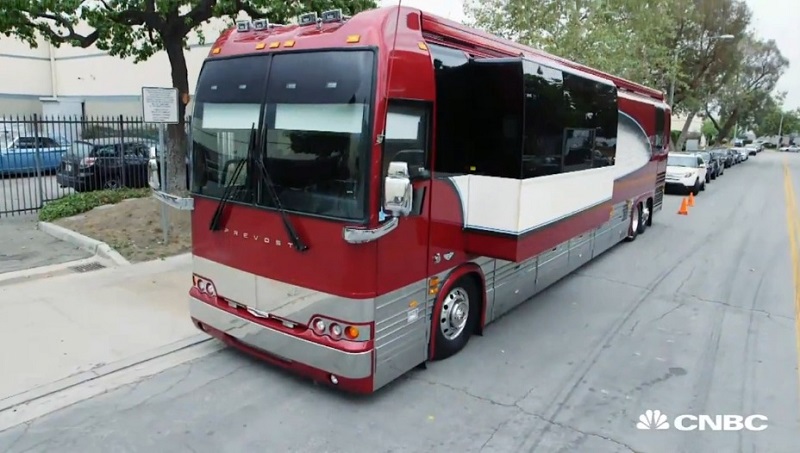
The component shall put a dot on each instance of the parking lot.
(23, 194)
(697, 316)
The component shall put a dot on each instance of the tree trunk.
(177, 145)
(684, 131)
(729, 123)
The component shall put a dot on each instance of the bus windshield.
(313, 127)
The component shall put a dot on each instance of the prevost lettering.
(257, 238)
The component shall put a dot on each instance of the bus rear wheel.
(458, 314)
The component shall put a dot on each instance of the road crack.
(515, 406)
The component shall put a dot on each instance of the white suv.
(686, 171)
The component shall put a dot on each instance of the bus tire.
(636, 222)
(642, 219)
(455, 318)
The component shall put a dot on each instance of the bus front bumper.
(349, 371)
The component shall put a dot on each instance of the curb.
(92, 246)
(52, 270)
(86, 376)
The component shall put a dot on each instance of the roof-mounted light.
(243, 26)
(308, 19)
(334, 15)
(261, 24)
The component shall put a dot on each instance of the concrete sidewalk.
(81, 324)
(24, 246)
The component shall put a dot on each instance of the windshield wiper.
(298, 243)
(216, 220)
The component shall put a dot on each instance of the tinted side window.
(453, 105)
(544, 120)
(660, 136)
(607, 114)
(581, 122)
(495, 134)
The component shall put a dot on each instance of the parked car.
(724, 159)
(154, 169)
(752, 150)
(713, 164)
(686, 171)
(743, 154)
(105, 163)
(790, 149)
(725, 156)
(25, 154)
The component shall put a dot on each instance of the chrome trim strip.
(340, 363)
(354, 235)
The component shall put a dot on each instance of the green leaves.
(78, 203)
(623, 37)
(140, 28)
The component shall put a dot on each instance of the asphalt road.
(21, 194)
(694, 317)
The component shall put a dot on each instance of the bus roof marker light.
(422, 46)
(243, 26)
(216, 50)
(289, 43)
(308, 19)
(352, 39)
(334, 15)
(274, 45)
(261, 45)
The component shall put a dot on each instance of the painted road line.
(793, 225)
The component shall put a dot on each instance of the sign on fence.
(160, 105)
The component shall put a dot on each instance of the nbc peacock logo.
(652, 419)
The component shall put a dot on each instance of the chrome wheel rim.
(455, 313)
(635, 220)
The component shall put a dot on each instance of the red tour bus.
(370, 191)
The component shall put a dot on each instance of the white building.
(69, 80)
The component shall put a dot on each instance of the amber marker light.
(351, 332)
(433, 286)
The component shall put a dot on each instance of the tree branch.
(244, 5)
(203, 10)
(72, 36)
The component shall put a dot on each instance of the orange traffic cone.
(684, 210)
(691, 198)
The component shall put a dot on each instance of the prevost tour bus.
(370, 191)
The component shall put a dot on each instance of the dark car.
(725, 157)
(105, 163)
(714, 165)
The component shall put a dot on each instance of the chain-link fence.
(46, 158)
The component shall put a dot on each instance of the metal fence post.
(121, 125)
(162, 156)
(37, 142)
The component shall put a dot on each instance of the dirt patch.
(133, 228)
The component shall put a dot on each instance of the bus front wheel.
(458, 313)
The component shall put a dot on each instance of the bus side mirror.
(397, 190)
